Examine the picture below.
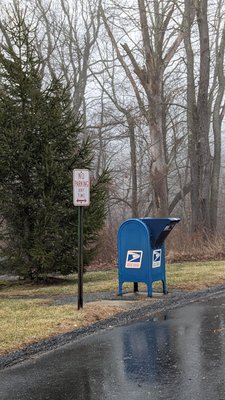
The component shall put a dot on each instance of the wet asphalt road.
(179, 355)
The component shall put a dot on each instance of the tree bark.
(203, 113)
(133, 158)
(198, 117)
(218, 115)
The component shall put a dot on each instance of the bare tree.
(67, 34)
(204, 168)
(147, 60)
(217, 104)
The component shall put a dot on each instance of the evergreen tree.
(40, 147)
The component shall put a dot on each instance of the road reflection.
(147, 351)
(184, 354)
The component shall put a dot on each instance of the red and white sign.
(81, 187)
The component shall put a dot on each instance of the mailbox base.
(149, 287)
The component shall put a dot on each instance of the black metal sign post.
(81, 198)
(80, 258)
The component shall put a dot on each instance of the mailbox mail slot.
(141, 251)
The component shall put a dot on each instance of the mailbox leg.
(150, 289)
(135, 287)
(120, 289)
(165, 291)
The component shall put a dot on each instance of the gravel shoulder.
(139, 307)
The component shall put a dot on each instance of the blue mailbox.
(141, 251)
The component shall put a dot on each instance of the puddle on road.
(177, 355)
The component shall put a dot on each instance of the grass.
(25, 320)
(195, 275)
(93, 282)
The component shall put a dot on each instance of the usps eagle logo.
(134, 259)
(156, 258)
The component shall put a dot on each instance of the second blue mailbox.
(141, 251)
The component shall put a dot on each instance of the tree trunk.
(204, 114)
(198, 118)
(159, 169)
(133, 158)
(218, 115)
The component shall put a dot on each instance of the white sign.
(81, 187)
(134, 258)
(156, 258)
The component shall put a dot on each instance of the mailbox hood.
(159, 228)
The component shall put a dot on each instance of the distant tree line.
(149, 81)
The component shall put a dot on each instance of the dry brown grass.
(96, 281)
(195, 275)
(27, 321)
(183, 246)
